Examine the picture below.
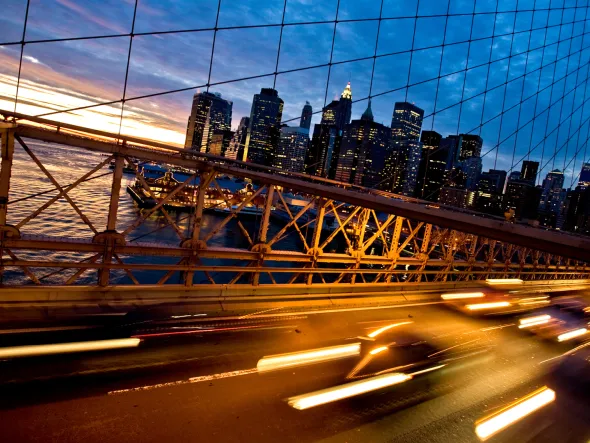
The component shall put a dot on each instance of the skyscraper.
(306, 115)
(290, 154)
(490, 188)
(323, 152)
(210, 114)
(403, 161)
(529, 171)
(264, 130)
(584, 180)
(471, 145)
(238, 141)
(363, 152)
(552, 199)
(432, 169)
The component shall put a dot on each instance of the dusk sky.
(61, 75)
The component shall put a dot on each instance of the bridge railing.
(278, 229)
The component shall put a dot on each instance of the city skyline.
(63, 74)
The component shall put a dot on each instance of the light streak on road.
(258, 313)
(387, 328)
(534, 321)
(282, 361)
(514, 412)
(572, 334)
(65, 348)
(378, 350)
(348, 390)
(462, 296)
(198, 379)
(493, 305)
(504, 281)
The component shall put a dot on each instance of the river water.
(67, 164)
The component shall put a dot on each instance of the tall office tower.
(471, 145)
(306, 115)
(433, 162)
(210, 114)
(322, 155)
(290, 154)
(220, 143)
(363, 152)
(552, 199)
(238, 141)
(529, 171)
(265, 125)
(489, 192)
(406, 121)
(403, 161)
(584, 180)
(523, 197)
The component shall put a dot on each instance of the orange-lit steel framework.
(388, 238)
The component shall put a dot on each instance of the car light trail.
(65, 348)
(378, 350)
(352, 389)
(387, 328)
(504, 281)
(514, 412)
(572, 334)
(281, 361)
(462, 296)
(533, 321)
(480, 306)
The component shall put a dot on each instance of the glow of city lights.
(348, 390)
(387, 328)
(65, 348)
(461, 296)
(572, 334)
(281, 361)
(514, 412)
(534, 321)
(378, 350)
(493, 305)
(504, 281)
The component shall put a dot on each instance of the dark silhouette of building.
(432, 168)
(293, 144)
(363, 152)
(552, 199)
(264, 130)
(324, 149)
(523, 197)
(529, 171)
(306, 115)
(577, 213)
(210, 114)
(584, 179)
(489, 198)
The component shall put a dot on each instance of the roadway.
(183, 386)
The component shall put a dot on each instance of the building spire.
(368, 114)
(347, 93)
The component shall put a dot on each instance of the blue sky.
(61, 74)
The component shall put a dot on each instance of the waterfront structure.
(290, 153)
(210, 114)
(264, 127)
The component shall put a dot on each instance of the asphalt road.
(181, 386)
